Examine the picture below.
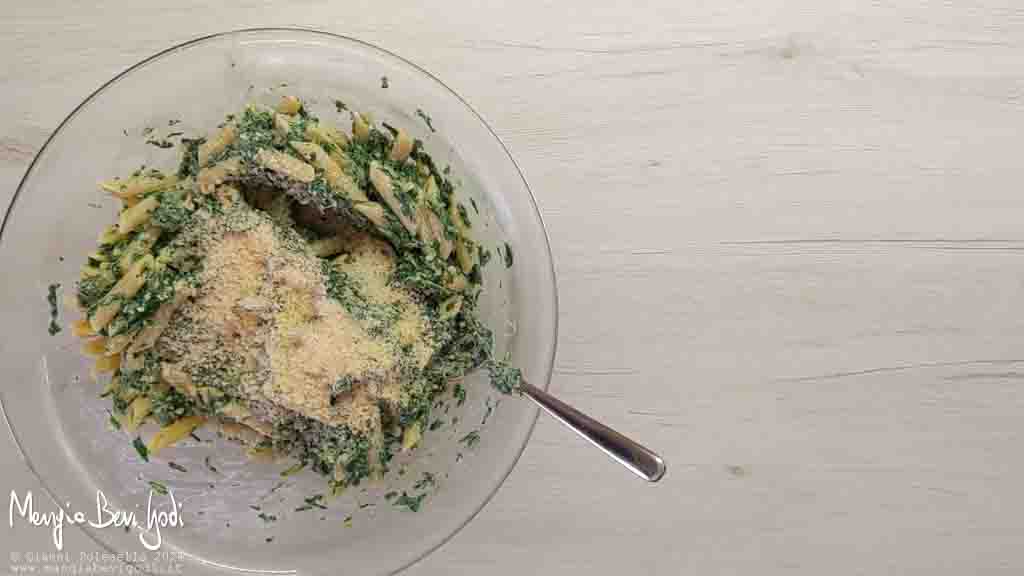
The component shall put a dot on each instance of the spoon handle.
(639, 460)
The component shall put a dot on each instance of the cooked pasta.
(402, 147)
(209, 178)
(126, 287)
(309, 292)
(282, 164)
(289, 105)
(217, 144)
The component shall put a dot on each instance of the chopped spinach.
(51, 299)
(461, 208)
(471, 439)
(312, 502)
(426, 119)
(255, 132)
(172, 213)
(427, 481)
(314, 499)
(172, 405)
(411, 502)
(489, 410)
(188, 167)
(504, 378)
(508, 255)
(140, 447)
(162, 143)
(93, 288)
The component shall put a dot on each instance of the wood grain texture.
(800, 222)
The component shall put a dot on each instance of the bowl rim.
(389, 54)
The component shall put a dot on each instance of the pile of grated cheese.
(263, 316)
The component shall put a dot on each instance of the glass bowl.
(51, 404)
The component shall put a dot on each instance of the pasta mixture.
(306, 291)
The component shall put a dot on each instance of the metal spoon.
(636, 458)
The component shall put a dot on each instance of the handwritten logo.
(106, 517)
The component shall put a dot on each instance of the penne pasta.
(289, 105)
(402, 146)
(457, 282)
(383, 185)
(360, 128)
(174, 432)
(149, 334)
(81, 328)
(210, 177)
(374, 212)
(106, 364)
(113, 386)
(136, 186)
(137, 412)
(117, 344)
(137, 215)
(240, 432)
(95, 347)
(125, 288)
(336, 178)
(430, 226)
(327, 247)
(411, 436)
(214, 146)
(111, 235)
(285, 165)
(424, 229)
(466, 255)
(316, 156)
(456, 217)
(282, 125)
(324, 134)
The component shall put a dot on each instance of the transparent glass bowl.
(51, 404)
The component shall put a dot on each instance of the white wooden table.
(789, 237)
